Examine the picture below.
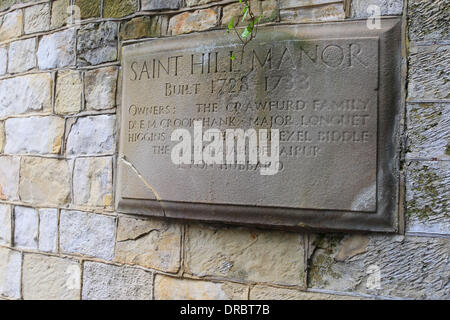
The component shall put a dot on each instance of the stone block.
(259, 292)
(428, 76)
(387, 7)
(329, 12)
(92, 135)
(89, 8)
(29, 93)
(10, 273)
(428, 134)
(69, 87)
(245, 255)
(9, 178)
(100, 88)
(50, 278)
(44, 181)
(57, 50)
(92, 182)
(26, 228)
(21, 55)
(109, 282)
(141, 27)
(48, 230)
(3, 60)
(150, 243)
(198, 20)
(193, 3)
(268, 9)
(428, 20)
(37, 18)
(34, 135)
(5, 224)
(87, 234)
(11, 25)
(389, 266)
(160, 4)
(428, 197)
(59, 13)
(119, 8)
(97, 43)
(167, 288)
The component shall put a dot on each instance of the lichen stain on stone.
(321, 260)
(426, 180)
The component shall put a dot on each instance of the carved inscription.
(320, 94)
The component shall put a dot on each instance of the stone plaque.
(298, 130)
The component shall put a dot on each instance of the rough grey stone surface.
(303, 14)
(37, 18)
(57, 50)
(92, 181)
(9, 178)
(48, 230)
(429, 20)
(429, 75)
(87, 233)
(428, 131)
(26, 224)
(92, 135)
(5, 224)
(160, 4)
(102, 281)
(260, 292)
(21, 55)
(168, 288)
(45, 181)
(3, 60)
(151, 243)
(407, 267)
(29, 93)
(428, 197)
(68, 92)
(50, 278)
(97, 43)
(245, 254)
(387, 7)
(10, 271)
(100, 88)
(11, 25)
(38, 135)
(191, 3)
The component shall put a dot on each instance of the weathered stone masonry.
(60, 237)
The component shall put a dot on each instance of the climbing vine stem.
(249, 32)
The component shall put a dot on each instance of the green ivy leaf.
(231, 24)
(245, 13)
(246, 33)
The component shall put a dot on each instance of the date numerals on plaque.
(229, 85)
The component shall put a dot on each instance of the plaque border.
(386, 217)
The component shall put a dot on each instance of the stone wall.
(60, 237)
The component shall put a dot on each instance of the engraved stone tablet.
(329, 93)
